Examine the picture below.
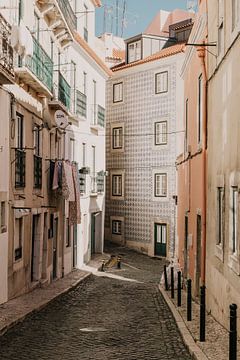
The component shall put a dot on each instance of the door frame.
(160, 222)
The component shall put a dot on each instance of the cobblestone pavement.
(102, 319)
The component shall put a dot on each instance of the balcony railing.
(82, 183)
(37, 172)
(68, 14)
(64, 91)
(6, 53)
(81, 104)
(85, 34)
(101, 116)
(93, 184)
(100, 182)
(20, 165)
(41, 65)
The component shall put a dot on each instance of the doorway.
(93, 232)
(35, 256)
(160, 239)
(198, 255)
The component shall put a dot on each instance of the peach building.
(191, 163)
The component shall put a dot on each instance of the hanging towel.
(74, 206)
(67, 182)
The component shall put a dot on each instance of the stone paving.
(102, 319)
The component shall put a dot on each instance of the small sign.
(61, 119)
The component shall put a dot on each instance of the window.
(160, 185)
(220, 215)
(93, 177)
(37, 140)
(117, 138)
(68, 233)
(234, 218)
(116, 227)
(117, 185)
(160, 133)
(200, 112)
(220, 25)
(235, 13)
(19, 131)
(117, 92)
(18, 238)
(161, 82)
(3, 225)
(186, 126)
(134, 51)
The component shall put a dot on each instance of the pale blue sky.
(139, 13)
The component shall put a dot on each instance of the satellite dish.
(61, 119)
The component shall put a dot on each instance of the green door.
(93, 234)
(160, 238)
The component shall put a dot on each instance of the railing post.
(172, 282)
(179, 299)
(233, 332)
(119, 262)
(165, 277)
(189, 300)
(202, 312)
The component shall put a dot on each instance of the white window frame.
(160, 137)
(119, 176)
(161, 83)
(117, 138)
(119, 97)
(136, 52)
(116, 227)
(159, 178)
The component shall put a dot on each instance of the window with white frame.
(235, 13)
(160, 133)
(116, 227)
(220, 25)
(118, 92)
(200, 105)
(161, 82)
(117, 185)
(117, 137)
(134, 51)
(220, 215)
(234, 208)
(160, 184)
(18, 238)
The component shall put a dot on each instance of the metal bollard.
(103, 263)
(119, 262)
(202, 312)
(179, 299)
(172, 282)
(233, 332)
(165, 277)
(189, 300)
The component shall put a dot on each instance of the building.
(114, 49)
(223, 245)
(144, 103)
(44, 95)
(191, 162)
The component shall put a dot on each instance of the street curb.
(21, 318)
(193, 348)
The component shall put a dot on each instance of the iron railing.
(41, 65)
(20, 166)
(81, 104)
(82, 183)
(68, 14)
(100, 182)
(6, 51)
(37, 172)
(64, 91)
(101, 116)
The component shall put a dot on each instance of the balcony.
(6, 53)
(37, 172)
(98, 115)
(20, 165)
(100, 182)
(101, 116)
(64, 91)
(60, 18)
(81, 104)
(37, 71)
(82, 183)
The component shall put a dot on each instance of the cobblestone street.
(102, 319)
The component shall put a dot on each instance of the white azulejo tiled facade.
(143, 108)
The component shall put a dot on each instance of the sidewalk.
(217, 337)
(17, 309)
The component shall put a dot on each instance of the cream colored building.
(223, 230)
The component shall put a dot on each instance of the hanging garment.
(67, 182)
(74, 206)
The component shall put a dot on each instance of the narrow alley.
(102, 319)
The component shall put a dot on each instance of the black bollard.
(172, 282)
(103, 264)
(189, 300)
(179, 299)
(202, 312)
(165, 277)
(233, 333)
(119, 262)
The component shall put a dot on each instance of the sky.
(139, 14)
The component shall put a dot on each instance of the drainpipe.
(202, 56)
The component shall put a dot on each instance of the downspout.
(202, 56)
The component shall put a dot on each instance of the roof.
(97, 3)
(91, 53)
(172, 50)
(118, 54)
